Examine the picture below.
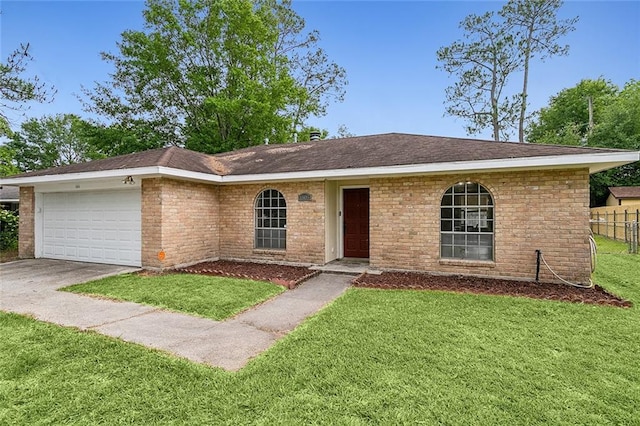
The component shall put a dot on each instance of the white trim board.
(595, 163)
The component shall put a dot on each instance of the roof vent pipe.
(314, 136)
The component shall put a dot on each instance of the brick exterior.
(546, 210)
(305, 223)
(26, 235)
(189, 222)
(180, 219)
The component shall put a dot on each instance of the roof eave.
(594, 162)
(149, 171)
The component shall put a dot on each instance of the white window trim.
(255, 222)
(466, 232)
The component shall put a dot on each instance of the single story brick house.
(445, 205)
(624, 196)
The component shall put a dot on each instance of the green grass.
(609, 246)
(210, 297)
(617, 270)
(372, 357)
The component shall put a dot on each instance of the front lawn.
(373, 356)
(210, 297)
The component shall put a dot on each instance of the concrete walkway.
(29, 287)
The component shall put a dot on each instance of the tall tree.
(537, 30)
(483, 61)
(7, 161)
(17, 89)
(117, 139)
(565, 120)
(216, 75)
(49, 142)
(616, 125)
(618, 128)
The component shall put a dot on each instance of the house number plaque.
(305, 196)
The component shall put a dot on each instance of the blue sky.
(387, 47)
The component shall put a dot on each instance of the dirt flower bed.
(422, 281)
(284, 275)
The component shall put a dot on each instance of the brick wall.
(305, 223)
(180, 219)
(546, 210)
(26, 235)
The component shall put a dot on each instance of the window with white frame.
(466, 222)
(270, 220)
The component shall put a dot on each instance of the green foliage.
(537, 31)
(619, 128)
(216, 75)
(615, 125)
(16, 89)
(7, 161)
(495, 46)
(8, 230)
(620, 123)
(566, 120)
(116, 139)
(5, 128)
(304, 134)
(51, 141)
(371, 357)
(210, 297)
(483, 61)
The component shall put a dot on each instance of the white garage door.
(101, 226)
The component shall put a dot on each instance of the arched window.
(466, 222)
(271, 220)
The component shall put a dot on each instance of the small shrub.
(8, 230)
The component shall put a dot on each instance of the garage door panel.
(102, 227)
(84, 252)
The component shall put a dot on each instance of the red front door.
(356, 222)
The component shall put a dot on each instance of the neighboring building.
(445, 205)
(623, 196)
(9, 198)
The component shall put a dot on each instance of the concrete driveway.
(54, 274)
(29, 287)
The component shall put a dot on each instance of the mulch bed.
(291, 276)
(284, 275)
(422, 281)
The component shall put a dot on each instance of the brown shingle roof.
(392, 149)
(621, 192)
(172, 157)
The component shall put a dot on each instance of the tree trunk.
(525, 83)
(494, 105)
(523, 105)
